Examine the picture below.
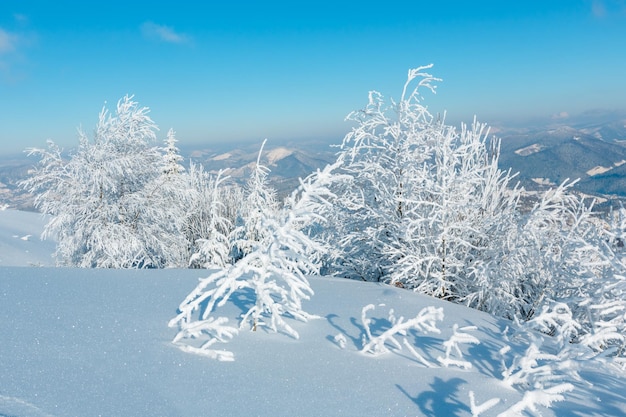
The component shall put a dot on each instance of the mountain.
(591, 147)
(14, 168)
(287, 162)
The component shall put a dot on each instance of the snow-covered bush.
(275, 271)
(454, 355)
(424, 206)
(538, 397)
(377, 160)
(577, 268)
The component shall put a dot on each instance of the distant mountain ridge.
(591, 147)
(588, 149)
(288, 163)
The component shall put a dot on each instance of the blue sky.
(235, 71)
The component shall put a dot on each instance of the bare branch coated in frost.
(425, 321)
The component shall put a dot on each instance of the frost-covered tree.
(172, 155)
(573, 264)
(260, 203)
(173, 189)
(209, 227)
(377, 158)
(458, 209)
(421, 200)
(602, 301)
(105, 205)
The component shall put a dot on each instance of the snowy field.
(20, 243)
(79, 342)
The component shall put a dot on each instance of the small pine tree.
(172, 155)
(260, 203)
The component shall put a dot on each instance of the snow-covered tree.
(172, 155)
(377, 158)
(208, 225)
(422, 200)
(602, 305)
(105, 202)
(460, 207)
(260, 203)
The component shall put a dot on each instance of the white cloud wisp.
(163, 33)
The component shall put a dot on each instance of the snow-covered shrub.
(534, 369)
(424, 206)
(208, 227)
(607, 321)
(538, 397)
(275, 271)
(212, 330)
(557, 321)
(606, 307)
(422, 203)
(377, 158)
(577, 268)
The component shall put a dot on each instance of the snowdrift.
(81, 342)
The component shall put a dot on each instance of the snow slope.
(20, 243)
(80, 342)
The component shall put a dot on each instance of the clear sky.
(218, 71)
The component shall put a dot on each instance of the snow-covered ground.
(79, 342)
(20, 240)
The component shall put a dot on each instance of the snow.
(529, 150)
(598, 170)
(222, 157)
(20, 244)
(90, 342)
(277, 154)
(601, 170)
(543, 181)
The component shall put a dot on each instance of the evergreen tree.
(172, 155)
(260, 203)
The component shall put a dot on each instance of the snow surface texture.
(87, 342)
